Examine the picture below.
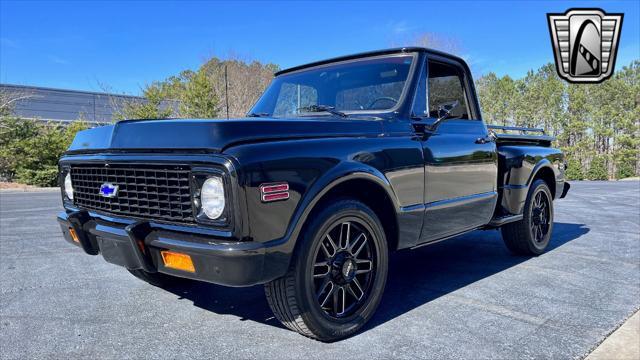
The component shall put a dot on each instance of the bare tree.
(431, 40)
(246, 82)
(9, 99)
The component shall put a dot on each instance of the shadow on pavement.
(415, 277)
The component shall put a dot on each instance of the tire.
(157, 279)
(337, 277)
(531, 235)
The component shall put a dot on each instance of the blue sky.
(123, 45)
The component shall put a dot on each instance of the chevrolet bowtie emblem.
(108, 190)
(585, 42)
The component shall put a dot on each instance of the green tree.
(624, 170)
(30, 150)
(597, 169)
(203, 92)
(497, 99)
(154, 106)
(596, 125)
(198, 97)
(574, 171)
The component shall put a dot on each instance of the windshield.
(362, 86)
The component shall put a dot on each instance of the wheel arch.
(544, 171)
(364, 184)
(370, 193)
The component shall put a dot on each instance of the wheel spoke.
(367, 266)
(325, 294)
(321, 265)
(339, 301)
(356, 287)
(345, 232)
(329, 246)
(539, 232)
(358, 245)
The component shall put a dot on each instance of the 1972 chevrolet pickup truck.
(339, 163)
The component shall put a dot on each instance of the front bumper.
(137, 245)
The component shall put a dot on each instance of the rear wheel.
(337, 276)
(531, 235)
(156, 279)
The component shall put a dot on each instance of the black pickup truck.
(339, 163)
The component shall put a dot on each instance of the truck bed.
(516, 135)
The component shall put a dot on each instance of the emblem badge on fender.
(585, 42)
(108, 190)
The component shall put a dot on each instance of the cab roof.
(411, 49)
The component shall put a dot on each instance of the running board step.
(505, 220)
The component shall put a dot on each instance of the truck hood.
(214, 135)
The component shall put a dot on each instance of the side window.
(420, 100)
(445, 88)
(293, 97)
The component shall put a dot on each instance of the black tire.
(157, 279)
(531, 235)
(296, 297)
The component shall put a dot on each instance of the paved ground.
(462, 298)
(623, 344)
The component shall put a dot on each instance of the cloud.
(57, 60)
(473, 60)
(399, 27)
(6, 42)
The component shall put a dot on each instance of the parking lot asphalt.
(462, 298)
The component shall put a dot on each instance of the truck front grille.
(144, 191)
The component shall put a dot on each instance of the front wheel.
(337, 276)
(531, 235)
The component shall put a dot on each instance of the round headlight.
(68, 186)
(212, 197)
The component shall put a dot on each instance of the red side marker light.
(274, 191)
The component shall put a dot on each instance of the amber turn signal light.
(177, 261)
(74, 235)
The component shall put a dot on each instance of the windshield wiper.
(260, 114)
(323, 108)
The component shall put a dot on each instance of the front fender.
(279, 251)
(341, 173)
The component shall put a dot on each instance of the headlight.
(68, 186)
(212, 197)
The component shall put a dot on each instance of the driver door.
(460, 160)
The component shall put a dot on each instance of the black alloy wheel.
(344, 268)
(337, 275)
(539, 222)
(531, 235)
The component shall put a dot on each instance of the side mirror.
(444, 112)
(445, 109)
